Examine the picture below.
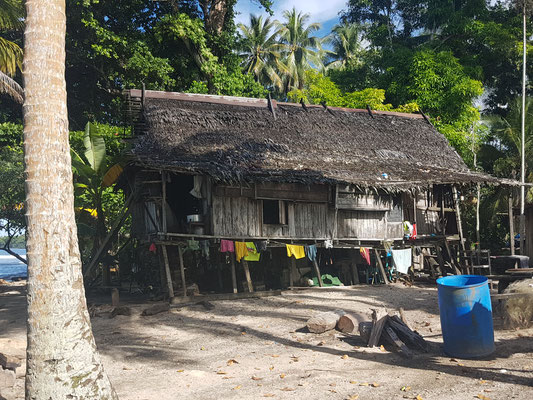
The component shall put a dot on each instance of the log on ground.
(325, 321)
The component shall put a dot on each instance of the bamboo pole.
(523, 131)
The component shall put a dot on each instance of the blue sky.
(324, 11)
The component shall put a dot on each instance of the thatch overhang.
(238, 140)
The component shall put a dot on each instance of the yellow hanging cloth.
(297, 251)
(240, 250)
(253, 254)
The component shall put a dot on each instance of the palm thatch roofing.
(239, 140)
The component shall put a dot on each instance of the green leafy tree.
(258, 51)
(213, 77)
(319, 89)
(12, 195)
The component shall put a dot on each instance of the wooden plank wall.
(310, 220)
(361, 224)
(236, 216)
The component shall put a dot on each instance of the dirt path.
(186, 353)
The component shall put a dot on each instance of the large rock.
(518, 310)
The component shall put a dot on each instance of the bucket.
(466, 316)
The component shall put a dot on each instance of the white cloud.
(319, 10)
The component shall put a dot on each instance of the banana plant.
(94, 172)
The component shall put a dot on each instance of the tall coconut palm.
(11, 13)
(62, 361)
(258, 50)
(300, 49)
(346, 42)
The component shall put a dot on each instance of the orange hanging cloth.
(365, 254)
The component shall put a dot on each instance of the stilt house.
(211, 168)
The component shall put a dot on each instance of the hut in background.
(210, 168)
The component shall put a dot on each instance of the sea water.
(11, 267)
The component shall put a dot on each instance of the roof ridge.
(251, 102)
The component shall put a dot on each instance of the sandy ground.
(255, 348)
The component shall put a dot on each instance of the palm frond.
(11, 88)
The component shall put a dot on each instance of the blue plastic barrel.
(466, 316)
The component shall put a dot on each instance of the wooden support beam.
(233, 273)
(247, 274)
(380, 266)
(167, 271)
(452, 258)
(317, 272)
(182, 270)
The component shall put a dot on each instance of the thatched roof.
(247, 140)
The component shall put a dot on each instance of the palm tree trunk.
(62, 361)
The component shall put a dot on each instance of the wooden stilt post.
(247, 274)
(440, 260)
(291, 280)
(182, 270)
(167, 271)
(380, 266)
(452, 258)
(355, 272)
(233, 273)
(511, 222)
(459, 223)
(317, 272)
(292, 270)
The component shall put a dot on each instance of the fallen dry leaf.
(243, 333)
(363, 384)
(202, 348)
(487, 390)
(231, 362)
(282, 376)
(453, 360)
(482, 397)
(333, 384)
(275, 355)
(271, 368)
(269, 395)
(228, 377)
(256, 378)
(321, 343)
(295, 359)
(353, 397)
(221, 373)
(481, 381)
(418, 397)
(375, 384)
(332, 391)
(288, 389)
(344, 356)
(353, 382)
(461, 365)
(405, 388)
(181, 370)
(237, 387)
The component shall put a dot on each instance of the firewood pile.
(390, 329)
(387, 329)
